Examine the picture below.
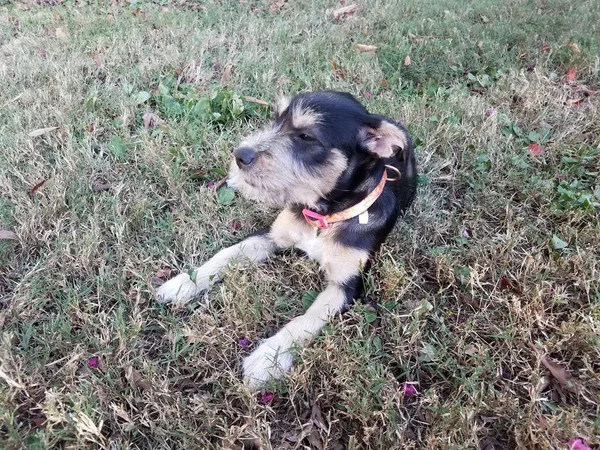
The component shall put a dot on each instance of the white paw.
(269, 361)
(180, 289)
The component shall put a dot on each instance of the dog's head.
(314, 139)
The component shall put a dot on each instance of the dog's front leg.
(182, 288)
(274, 356)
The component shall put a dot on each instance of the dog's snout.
(244, 156)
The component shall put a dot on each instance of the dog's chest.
(314, 246)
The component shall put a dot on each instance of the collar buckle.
(315, 219)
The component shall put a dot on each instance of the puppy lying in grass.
(342, 177)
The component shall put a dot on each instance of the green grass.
(499, 253)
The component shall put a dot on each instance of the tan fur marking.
(383, 140)
(342, 263)
(304, 117)
(281, 105)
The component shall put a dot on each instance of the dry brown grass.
(470, 294)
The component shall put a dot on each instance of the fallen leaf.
(36, 186)
(571, 75)
(61, 34)
(344, 11)
(574, 47)
(164, 273)
(119, 411)
(557, 243)
(484, 19)
(8, 236)
(277, 5)
(41, 131)
(407, 61)
(226, 75)
(97, 186)
(561, 374)
(471, 350)
(315, 440)
(384, 84)
(316, 417)
(258, 101)
(337, 71)
(507, 283)
(366, 48)
(536, 149)
(97, 59)
(137, 380)
(150, 120)
(545, 48)
(576, 101)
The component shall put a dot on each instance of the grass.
(492, 278)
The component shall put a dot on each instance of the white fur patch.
(273, 357)
(182, 288)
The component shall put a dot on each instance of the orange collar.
(319, 221)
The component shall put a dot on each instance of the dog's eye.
(305, 137)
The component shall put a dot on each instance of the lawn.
(117, 119)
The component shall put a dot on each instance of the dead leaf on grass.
(150, 120)
(36, 187)
(574, 47)
(137, 381)
(160, 277)
(226, 77)
(545, 48)
(258, 101)
(98, 186)
(536, 149)
(276, 6)
(344, 11)
(316, 417)
(120, 412)
(41, 131)
(60, 33)
(366, 48)
(561, 374)
(571, 75)
(407, 61)
(337, 71)
(97, 59)
(6, 235)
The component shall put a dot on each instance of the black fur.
(343, 117)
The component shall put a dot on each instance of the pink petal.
(368, 94)
(267, 397)
(559, 176)
(244, 343)
(409, 390)
(93, 362)
(536, 149)
(578, 444)
(490, 112)
(210, 185)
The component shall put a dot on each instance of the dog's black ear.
(382, 138)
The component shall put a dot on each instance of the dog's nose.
(244, 156)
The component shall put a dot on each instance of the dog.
(341, 176)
